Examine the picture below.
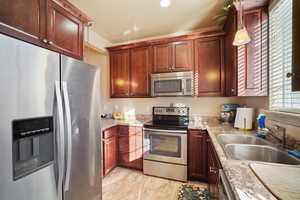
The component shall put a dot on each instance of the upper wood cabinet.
(130, 72)
(230, 54)
(64, 31)
(140, 69)
(119, 73)
(173, 57)
(24, 19)
(183, 56)
(43, 23)
(162, 57)
(247, 65)
(209, 67)
(197, 153)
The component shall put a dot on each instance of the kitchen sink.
(259, 153)
(225, 139)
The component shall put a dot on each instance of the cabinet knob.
(213, 170)
(290, 74)
(45, 41)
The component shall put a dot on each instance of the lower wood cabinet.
(110, 141)
(197, 154)
(130, 148)
(122, 146)
(214, 165)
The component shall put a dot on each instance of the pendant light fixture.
(241, 37)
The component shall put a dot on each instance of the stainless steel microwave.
(172, 84)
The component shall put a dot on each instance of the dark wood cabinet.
(183, 56)
(119, 73)
(209, 67)
(173, 57)
(64, 31)
(140, 70)
(230, 54)
(25, 20)
(109, 150)
(130, 147)
(43, 23)
(162, 58)
(247, 65)
(197, 154)
(213, 170)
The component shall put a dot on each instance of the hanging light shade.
(242, 36)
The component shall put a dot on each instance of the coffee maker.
(228, 113)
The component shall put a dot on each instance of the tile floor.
(128, 184)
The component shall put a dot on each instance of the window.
(282, 97)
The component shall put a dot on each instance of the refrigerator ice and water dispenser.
(33, 145)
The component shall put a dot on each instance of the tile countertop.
(137, 121)
(243, 181)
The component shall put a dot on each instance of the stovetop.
(165, 126)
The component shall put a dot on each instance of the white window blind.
(281, 28)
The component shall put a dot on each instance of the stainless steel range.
(165, 143)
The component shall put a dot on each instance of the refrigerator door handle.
(69, 135)
(60, 140)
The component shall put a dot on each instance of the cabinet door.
(253, 57)
(64, 31)
(119, 73)
(230, 54)
(197, 165)
(209, 66)
(24, 20)
(213, 172)
(140, 67)
(162, 58)
(183, 56)
(110, 154)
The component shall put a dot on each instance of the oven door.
(168, 146)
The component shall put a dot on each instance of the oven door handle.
(165, 131)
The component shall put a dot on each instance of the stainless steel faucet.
(279, 129)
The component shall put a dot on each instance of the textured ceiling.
(124, 20)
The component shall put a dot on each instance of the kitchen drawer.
(197, 132)
(111, 132)
(126, 130)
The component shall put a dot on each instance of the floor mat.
(192, 192)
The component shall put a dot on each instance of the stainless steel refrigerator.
(49, 125)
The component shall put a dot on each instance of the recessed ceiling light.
(165, 3)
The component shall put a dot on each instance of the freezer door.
(81, 85)
(27, 74)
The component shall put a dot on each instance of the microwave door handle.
(60, 139)
(183, 81)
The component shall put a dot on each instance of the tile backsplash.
(291, 123)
